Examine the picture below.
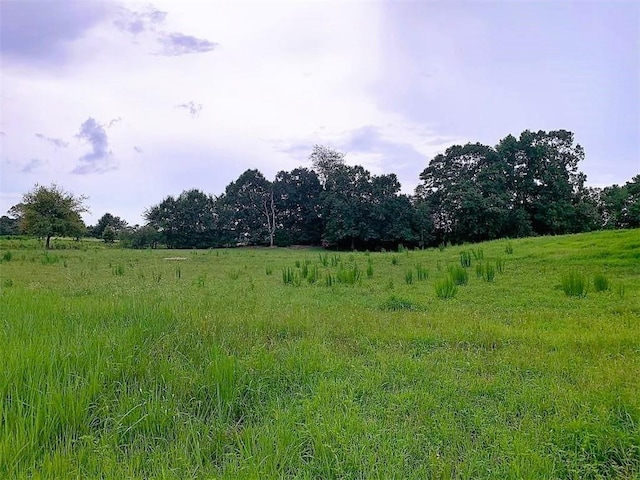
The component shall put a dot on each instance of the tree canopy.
(50, 211)
(526, 185)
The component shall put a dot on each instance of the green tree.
(248, 210)
(107, 220)
(9, 226)
(186, 221)
(297, 204)
(109, 234)
(545, 178)
(50, 211)
(620, 205)
(465, 191)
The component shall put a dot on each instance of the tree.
(325, 160)
(620, 205)
(297, 205)
(545, 178)
(188, 221)
(465, 191)
(109, 234)
(9, 226)
(139, 237)
(50, 211)
(248, 210)
(107, 220)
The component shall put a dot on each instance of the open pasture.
(304, 363)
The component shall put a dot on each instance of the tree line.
(524, 186)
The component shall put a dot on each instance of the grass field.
(301, 363)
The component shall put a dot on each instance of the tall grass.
(574, 284)
(145, 376)
(446, 287)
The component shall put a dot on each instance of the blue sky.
(128, 102)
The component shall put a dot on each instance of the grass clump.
(395, 304)
(7, 256)
(369, 269)
(508, 249)
(465, 259)
(446, 288)
(290, 277)
(348, 275)
(574, 284)
(601, 283)
(489, 273)
(459, 275)
(408, 277)
(421, 272)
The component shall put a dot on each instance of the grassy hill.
(281, 363)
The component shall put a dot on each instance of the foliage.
(109, 234)
(9, 226)
(50, 211)
(325, 160)
(186, 221)
(107, 220)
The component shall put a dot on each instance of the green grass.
(210, 368)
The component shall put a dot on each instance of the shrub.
(574, 284)
(446, 288)
(601, 283)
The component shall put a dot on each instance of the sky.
(129, 102)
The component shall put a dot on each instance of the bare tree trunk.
(270, 213)
(47, 243)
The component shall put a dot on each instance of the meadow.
(506, 359)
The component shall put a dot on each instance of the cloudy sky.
(129, 102)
